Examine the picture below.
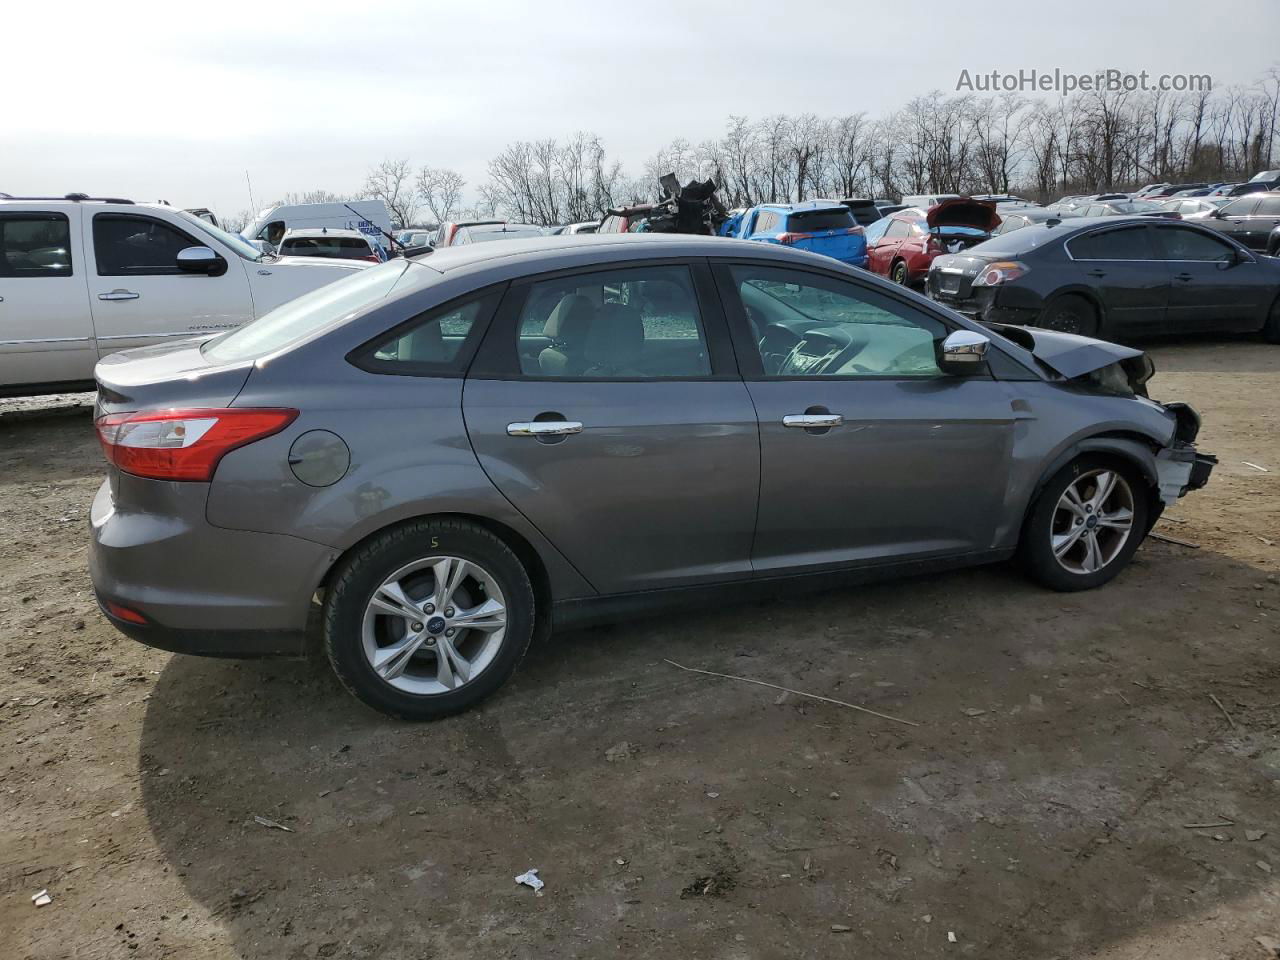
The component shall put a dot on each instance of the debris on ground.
(951, 936)
(974, 712)
(271, 824)
(42, 899)
(619, 751)
(1218, 704)
(716, 885)
(1264, 866)
(798, 693)
(1174, 540)
(1269, 944)
(840, 928)
(1255, 466)
(1254, 834)
(530, 878)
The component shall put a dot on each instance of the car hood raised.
(1066, 353)
(963, 212)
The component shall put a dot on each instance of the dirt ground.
(1039, 810)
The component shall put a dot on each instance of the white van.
(370, 217)
(81, 278)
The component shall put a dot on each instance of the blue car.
(820, 226)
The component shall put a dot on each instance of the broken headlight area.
(1124, 378)
(1181, 468)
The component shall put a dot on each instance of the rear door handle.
(1184, 276)
(119, 295)
(1097, 273)
(807, 421)
(544, 428)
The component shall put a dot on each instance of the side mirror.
(201, 260)
(963, 352)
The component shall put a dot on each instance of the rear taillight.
(183, 444)
(1002, 271)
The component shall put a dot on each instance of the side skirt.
(588, 611)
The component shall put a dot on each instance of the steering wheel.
(776, 344)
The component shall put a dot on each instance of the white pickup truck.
(81, 278)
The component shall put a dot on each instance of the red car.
(904, 247)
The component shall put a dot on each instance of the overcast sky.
(177, 101)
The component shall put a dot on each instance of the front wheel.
(899, 273)
(1085, 525)
(428, 619)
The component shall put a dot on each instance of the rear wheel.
(428, 619)
(1071, 314)
(898, 274)
(1085, 525)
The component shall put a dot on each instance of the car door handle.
(119, 295)
(544, 428)
(1183, 276)
(1097, 273)
(807, 421)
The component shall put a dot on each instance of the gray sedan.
(440, 459)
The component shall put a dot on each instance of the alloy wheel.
(1092, 521)
(434, 625)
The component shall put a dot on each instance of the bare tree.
(391, 181)
(441, 190)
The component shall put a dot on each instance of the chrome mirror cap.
(965, 346)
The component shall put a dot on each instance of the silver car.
(442, 458)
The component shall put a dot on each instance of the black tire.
(899, 274)
(364, 571)
(1035, 548)
(1070, 314)
(1271, 329)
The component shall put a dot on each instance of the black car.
(1113, 277)
(1273, 244)
(1254, 186)
(1250, 219)
(865, 212)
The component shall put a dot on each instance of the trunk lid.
(963, 212)
(951, 276)
(166, 375)
(830, 231)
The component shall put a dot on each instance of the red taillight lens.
(790, 238)
(183, 444)
(123, 613)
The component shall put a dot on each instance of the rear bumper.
(200, 588)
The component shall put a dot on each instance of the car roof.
(805, 206)
(533, 255)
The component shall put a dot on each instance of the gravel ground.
(1039, 810)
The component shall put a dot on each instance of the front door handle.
(119, 295)
(1184, 276)
(544, 428)
(807, 421)
(1097, 273)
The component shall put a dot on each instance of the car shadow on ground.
(1039, 808)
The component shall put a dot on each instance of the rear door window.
(1184, 243)
(125, 245)
(1242, 207)
(35, 245)
(1268, 207)
(634, 323)
(1125, 243)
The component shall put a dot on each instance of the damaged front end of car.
(1113, 369)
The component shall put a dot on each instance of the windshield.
(328, 306)
(239, 244)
